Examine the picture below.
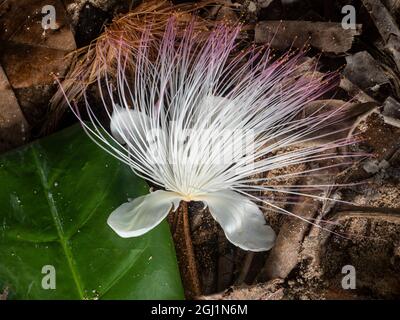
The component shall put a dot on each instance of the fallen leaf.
(364, 71)
(325, 36)
(386, 26)
(13, 126)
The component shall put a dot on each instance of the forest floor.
(360, 39)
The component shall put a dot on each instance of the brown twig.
(192, 266)
(180, 226)
(245, 269)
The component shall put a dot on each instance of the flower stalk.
(185, 251)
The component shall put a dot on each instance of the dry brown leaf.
(325, 36)
(386, 26)
(31, 55)
(354, 91)
(364, 71)
(13, 126)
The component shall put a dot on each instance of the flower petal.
(132, 219)
(241, 219)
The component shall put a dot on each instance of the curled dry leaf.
(350, 113)
(386, 26)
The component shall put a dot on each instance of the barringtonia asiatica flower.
(204, 121)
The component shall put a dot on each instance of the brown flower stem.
(180, 227)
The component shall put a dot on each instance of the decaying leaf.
(31, 55)
(364, 71)
(354, 91)
(371, 245)
(391, 108)
(13, 126)
(22, 23)
(386, 26)
(351, 112)
(325, 36)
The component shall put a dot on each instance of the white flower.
(200, 121)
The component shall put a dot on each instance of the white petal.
(241, 219)
(132, 219)
(128, 125)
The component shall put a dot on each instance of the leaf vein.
(57, 222)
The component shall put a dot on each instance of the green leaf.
(55, 197)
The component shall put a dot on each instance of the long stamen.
(194, 92)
